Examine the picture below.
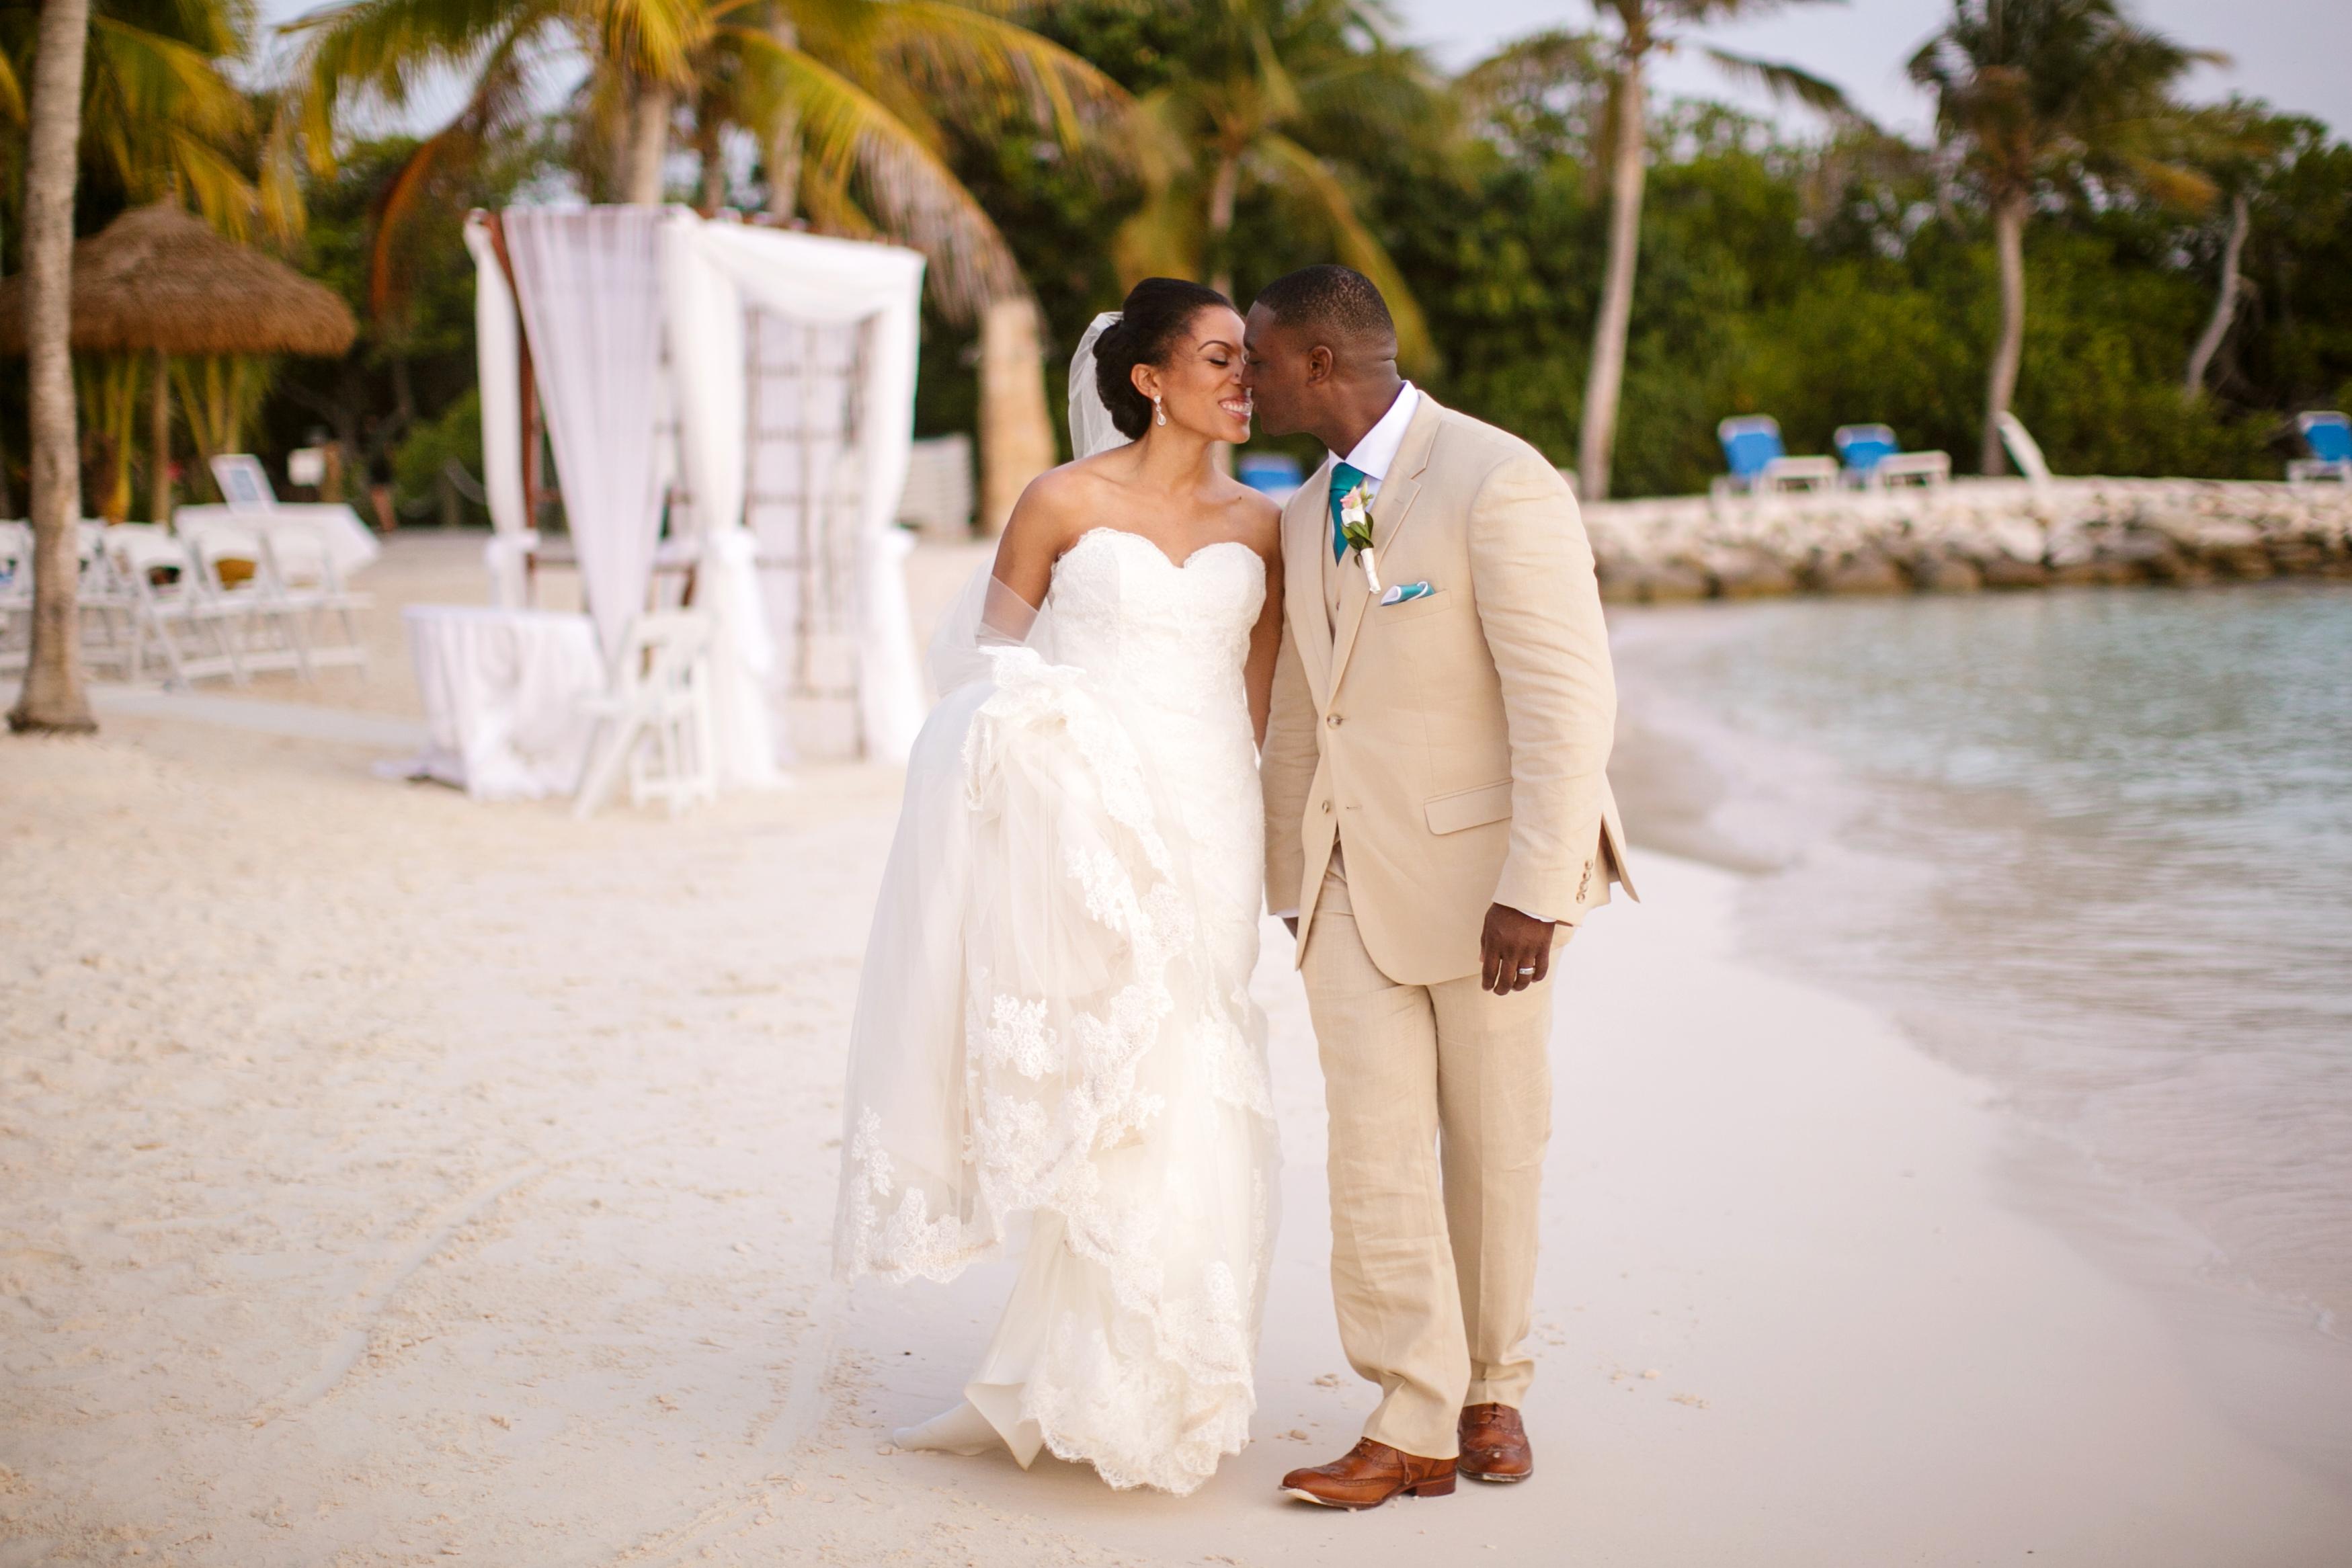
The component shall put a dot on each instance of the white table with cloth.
(503, 691)
(347, 541)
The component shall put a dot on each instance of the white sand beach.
(386, 1179)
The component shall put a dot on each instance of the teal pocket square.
(1402, 592)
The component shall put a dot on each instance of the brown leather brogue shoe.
(1369, 1474)
(1495, 1445)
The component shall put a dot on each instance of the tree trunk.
(1016, 436)
(159, 441)
(2225, 304)
(649, 142)
(714, 173)
(785, 138)
(1222, 190)
(2001, 385)
(1605, 380)
(53, 698)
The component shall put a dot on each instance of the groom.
(1437, 822)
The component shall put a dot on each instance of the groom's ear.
(1319, 360)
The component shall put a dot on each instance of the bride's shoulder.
(1056, 505)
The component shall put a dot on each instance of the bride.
(1054, 1046)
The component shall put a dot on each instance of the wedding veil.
(987, 613)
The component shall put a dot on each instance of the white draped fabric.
(498, 356)
(503, 692)
(589, 282)
(598, 289)
(716, 271)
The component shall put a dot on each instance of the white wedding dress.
(1055, 1039)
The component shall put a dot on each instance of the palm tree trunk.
(649, 142)
(1223, 191)
(1016, 436)
(784, 167)
(53, 698)
(2225, 304)
(159, 441)
(785, 138)
(2001, 385)
(1605, 380)
(714, 173)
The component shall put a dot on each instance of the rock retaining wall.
(1971, 535)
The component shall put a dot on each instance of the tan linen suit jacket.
(1456, 743)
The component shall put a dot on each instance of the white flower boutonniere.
(1356, 528)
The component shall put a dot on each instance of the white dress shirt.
(1376, 454)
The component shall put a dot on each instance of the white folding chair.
(251, 603)
(313, 593)
(15, 595)
(177, 619)
(654, 719)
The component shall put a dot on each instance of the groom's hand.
(1514, 951)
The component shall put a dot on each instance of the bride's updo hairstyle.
(1150, 326)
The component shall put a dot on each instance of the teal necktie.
(1344, 478)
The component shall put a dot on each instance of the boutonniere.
(1356, 528)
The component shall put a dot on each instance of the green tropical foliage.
(1825, 278)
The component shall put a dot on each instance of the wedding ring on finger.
(1529, 970)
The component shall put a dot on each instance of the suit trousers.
(1439, 1104)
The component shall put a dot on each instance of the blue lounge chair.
(1757, 462)
(2327, 436)
(1873, 460)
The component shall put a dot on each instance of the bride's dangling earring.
(1159, 414)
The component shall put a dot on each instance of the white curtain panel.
(498, 360)
(807, 277)
(589, 281)
(706, 361)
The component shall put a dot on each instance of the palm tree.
(1260, 85)
(53, 698)
(2243, 149)
(2059, 97)
(1645, 28)
(846, 97)
(159, 118)
(158, 115)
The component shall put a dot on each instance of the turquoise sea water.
(2094, 847)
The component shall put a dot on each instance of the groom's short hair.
(1330, 298)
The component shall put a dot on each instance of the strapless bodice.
(1154, 632)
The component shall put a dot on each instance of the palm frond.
(1162, 239)
(851, 138)
(1309, 177)
(12, 93)
(1785, 81)
(964, 52)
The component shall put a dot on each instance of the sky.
(2295, 53)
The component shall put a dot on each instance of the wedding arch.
(730, 411)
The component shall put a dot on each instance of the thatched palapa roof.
(157, 278)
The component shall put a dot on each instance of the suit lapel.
(1391, 508)
(1307, 536)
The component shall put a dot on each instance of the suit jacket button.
(1326, 805)
(1333, 721)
